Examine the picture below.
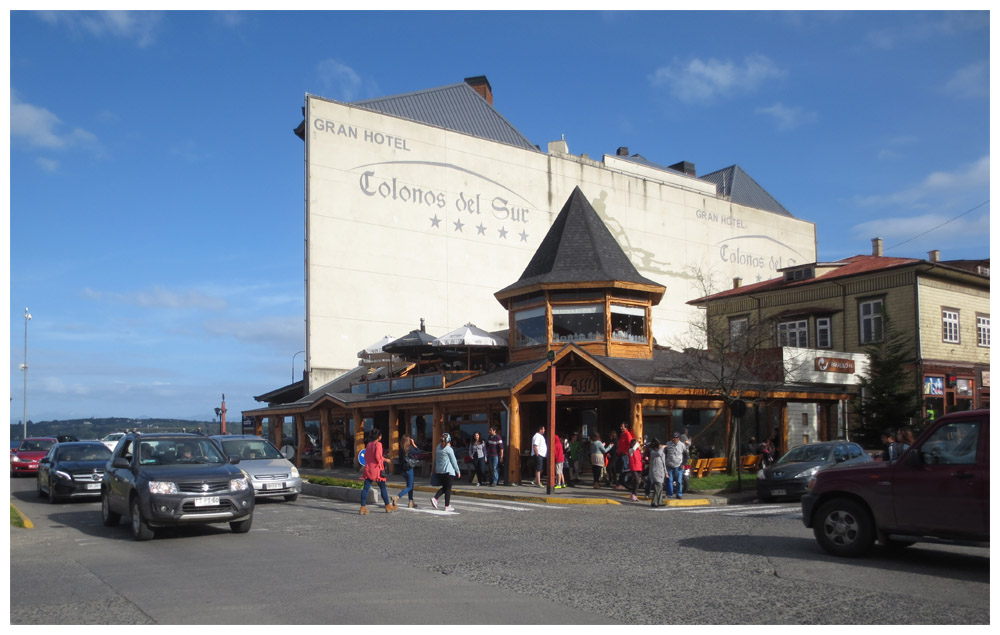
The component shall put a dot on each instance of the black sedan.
(789, 476)
(72, 469)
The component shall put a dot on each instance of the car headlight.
(13, 457)
(163, 487)
(63, 475)
(295, 472)
(807, 473)
(239, 484)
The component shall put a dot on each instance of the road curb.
(27, 521)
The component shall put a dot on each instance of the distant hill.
(97, 428)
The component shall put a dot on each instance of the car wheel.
(291, 497)
(38, 485)
(52, 494)
(844, 528)
(108, 517)
(241, 526)
(140, 530)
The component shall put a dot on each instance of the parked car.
(72, 470)
(112, 440)
(271, 474)
(937, 490)
(165, 479)
(25, 457)
(788, 477)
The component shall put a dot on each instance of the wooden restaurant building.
(581, 307)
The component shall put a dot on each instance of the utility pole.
(24, 368)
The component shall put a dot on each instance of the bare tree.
(731, 354)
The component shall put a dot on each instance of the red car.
(24, 459)
(938, 490)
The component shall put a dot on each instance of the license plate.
(93, 486)
(778, 492)
(274, 485)
(207, 501)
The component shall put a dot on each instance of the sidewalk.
(582, 494)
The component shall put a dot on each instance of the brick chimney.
(482, 86)
(684, 166)
(737, 282)
(622, 151)
(934, 255)
(876, 246)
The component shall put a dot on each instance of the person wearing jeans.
(675, 466)
(407, 450)
(446, 468)
(494, 454)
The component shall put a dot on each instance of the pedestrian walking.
(635, 467)
(477, 452)
(446, 468)
(675, 460)
(657, 472)
(494, 454)
(408, 461)
(539, 450)
(559, 455)
(575, 454)
(374, 471)
(624, 443)
(598, 451)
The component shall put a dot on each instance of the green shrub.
(335, 482)
(724, 482)
(15, 518)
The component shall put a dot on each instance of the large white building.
(424, 205)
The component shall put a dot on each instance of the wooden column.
(359, 431)
(326, 438)
(783, 434)
(437, 426)
(258, 426)
(513, 448)
(300, 434)
(276, 424)
(392, 443)
(635, 408)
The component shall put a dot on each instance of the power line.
(986, 202)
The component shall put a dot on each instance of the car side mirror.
(121, 463)
(840, 459)
(234, 458)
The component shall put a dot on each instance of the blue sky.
(156, 187)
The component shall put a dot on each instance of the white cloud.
(928, 231)
(787, 117)
(338, 81)
(705, 80)
(936, 187)
(159, 297)
(969, 81)
(41, 128)
(282, 333)
(139, 26)
(921, 29)
(49, 165)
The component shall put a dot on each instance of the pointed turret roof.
(579, 248)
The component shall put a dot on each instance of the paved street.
(491, 561)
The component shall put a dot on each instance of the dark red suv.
(939, 489)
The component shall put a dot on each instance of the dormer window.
(529, 327)
(578, 323)
(628, 323)
(806, 273)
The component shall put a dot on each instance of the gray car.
(789, 476)
(272, 475)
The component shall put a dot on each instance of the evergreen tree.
(887, 396)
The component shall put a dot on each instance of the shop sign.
(583, 382)
(933, 385)
(834, 365)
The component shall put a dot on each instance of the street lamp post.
(24, 368)
(293, 364)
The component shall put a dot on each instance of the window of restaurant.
(795, 333)
(529, 327)
(628, 323)
(824, 333)
(578, 323)
(870, 316)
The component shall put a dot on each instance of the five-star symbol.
(524, 236)
(435, 221)
(459, 225)
(481, 229)
(503, 232)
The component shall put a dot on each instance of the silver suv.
(271, 474)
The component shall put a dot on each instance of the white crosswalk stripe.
(480, 506)
(791, 511)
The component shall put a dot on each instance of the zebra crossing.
(776, 511)
(477, 506)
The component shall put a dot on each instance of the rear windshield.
(94, 452)
(36, 445)
(805, 453)
(250, 449)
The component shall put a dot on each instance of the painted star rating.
(503, 233)
(481, 229)
(459, 225)
(435, 221)
(524, 236)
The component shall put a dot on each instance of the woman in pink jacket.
(374, 464)
(635, 467)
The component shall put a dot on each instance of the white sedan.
(112, 440)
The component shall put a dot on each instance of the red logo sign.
(834, 365)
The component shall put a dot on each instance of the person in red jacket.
(624, 443)
(635, 467)
(560, 457)
(374, 464)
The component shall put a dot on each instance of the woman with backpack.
(408, 452)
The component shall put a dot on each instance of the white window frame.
(824, 332)
(870, 324)
(794, 333)
(739, 328)
(951, 326)
(983, 330)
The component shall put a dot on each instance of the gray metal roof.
(739, 187)
(456, 107)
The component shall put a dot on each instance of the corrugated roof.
(456, 107)
(736, 185)
(579, 248)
